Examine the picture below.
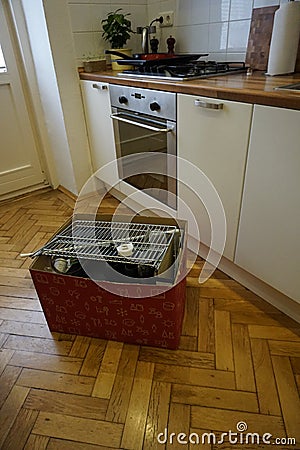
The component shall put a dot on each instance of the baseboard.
(280, 301)
(126, 201)
(67, 192)
(23, 193)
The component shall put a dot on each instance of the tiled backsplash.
(217, 27)
(86, 16)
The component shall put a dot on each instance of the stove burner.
(181, 72)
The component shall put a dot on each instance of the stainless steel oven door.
(139, 133)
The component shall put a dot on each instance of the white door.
(20, 168)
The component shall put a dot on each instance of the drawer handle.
(208, 105)
(97, 86)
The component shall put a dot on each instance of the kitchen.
(223, 325)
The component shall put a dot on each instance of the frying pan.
(145, 56)
(140, 59)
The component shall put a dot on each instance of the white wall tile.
(215, 56)
(263, 3)
(240, 9)
(199, 12)
(99, 44)
(238, 34)
(153, 11)
(100, 2)
(219, 10)
(166, 5)
(217, 37)
(119, 3)
(235, 57)
(84, 45)
(98, 13)
(138, 16)
(192, 39)
(183, 15)
(81, 17)
(70, 2)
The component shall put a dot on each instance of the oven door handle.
(118, 116)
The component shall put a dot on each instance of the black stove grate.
(197, 69)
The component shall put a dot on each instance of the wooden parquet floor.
(238, 361)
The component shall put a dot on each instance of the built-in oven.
(145, 139)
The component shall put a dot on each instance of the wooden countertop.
(256, 88)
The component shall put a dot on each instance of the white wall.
(217, 27)
(62, 48)
(49, 112)
(52, 48)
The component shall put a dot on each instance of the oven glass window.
(134, 139)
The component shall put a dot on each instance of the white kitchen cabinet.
(99, 124)
(269, 233)
(215, 141)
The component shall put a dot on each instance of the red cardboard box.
(78, 305)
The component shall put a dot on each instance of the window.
(2, 62)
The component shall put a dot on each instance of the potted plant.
(116, 30)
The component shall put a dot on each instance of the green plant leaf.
(116, 28)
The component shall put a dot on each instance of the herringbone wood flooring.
(239, 360)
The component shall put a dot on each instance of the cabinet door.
(99, 124)
(269, 232)
(216, 141)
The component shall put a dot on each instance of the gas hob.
(182, 72)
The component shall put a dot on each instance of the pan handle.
(119, 54)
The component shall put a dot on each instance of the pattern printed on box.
(79, 306)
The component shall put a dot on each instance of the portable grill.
(135, 249)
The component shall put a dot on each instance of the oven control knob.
(123, 99)
(154, 106)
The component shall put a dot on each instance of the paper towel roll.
(285, 39)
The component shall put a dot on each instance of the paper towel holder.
(284, 39)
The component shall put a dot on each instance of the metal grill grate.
(99, 241)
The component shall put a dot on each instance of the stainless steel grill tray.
(99, 240)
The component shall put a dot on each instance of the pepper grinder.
(154, 44)
(170, 44)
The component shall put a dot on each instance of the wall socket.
(168, 18)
